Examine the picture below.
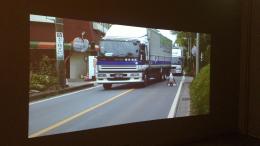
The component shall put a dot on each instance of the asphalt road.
(95, 107)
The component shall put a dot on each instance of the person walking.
(172, 81)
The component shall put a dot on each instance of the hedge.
(200, 91)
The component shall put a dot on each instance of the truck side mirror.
(92, 50)
(142, 52)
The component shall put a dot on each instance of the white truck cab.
(177, 61)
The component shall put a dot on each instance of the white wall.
(92, 66)
(78, 66)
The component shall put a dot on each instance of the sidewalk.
(78, 82)
(183, 107)
(72, 86)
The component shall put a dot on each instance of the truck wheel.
(107, 86)
(164, 77)
(161, 77)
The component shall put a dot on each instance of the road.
(95, 107)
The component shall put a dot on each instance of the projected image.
(86, 75)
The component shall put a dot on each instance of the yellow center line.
(66, 120)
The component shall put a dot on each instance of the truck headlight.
(101, 75)
(134, 74)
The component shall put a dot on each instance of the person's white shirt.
(171, 78)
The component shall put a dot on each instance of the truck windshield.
(177, 61)
(119, 48)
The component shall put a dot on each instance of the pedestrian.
(172, 81)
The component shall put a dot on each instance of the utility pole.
(60, 52)
(197, 54)
(190, 53)
(188, 47)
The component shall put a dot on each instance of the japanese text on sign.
(59, 46)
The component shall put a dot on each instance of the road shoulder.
(183, 107)
(73, 86)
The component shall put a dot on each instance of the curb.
(57, 92)
(179, 110)
(175, 103)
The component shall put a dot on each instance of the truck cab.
(177, 61)
(131, 54)
(177, 65)
(116, 65)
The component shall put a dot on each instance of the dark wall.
(254, 71)
(221, 18)
(74, 28)
(44, 32)
(249, 117)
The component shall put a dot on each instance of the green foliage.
(199, 91)
(46, 66)
(206, 56)
(188, 67)
(204, 44)
(45, 77)
(182, 38)
(41, 82)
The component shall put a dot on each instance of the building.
(42, 42)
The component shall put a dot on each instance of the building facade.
(42, 42)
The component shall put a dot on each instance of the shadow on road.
(134, 85)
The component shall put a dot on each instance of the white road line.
(63, 95)
(66, 120)
(176, 100)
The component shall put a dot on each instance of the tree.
(187, 40)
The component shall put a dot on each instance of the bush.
(44, 78)
(41, 82)
(47, 67)
(199, 91)
(188, 67)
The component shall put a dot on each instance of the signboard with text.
(59, 46)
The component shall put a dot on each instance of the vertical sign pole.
(197, 54)
(60, 52)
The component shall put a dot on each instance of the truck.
(177, 61)
(131, 54)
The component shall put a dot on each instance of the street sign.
(80, 45)
(59, 46)
(194, 51)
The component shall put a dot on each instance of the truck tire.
(107, 86)
(164, 77)
(160, 77)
